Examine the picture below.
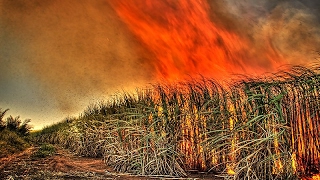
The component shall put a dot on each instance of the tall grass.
(254, 129)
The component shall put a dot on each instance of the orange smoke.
(185, 42)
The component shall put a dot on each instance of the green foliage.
(52, 133)
(54, 128)
(24, 128)
(44, 151)
(11, 142)
(14, 134)
(15, 124)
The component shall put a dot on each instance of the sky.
(59, 56)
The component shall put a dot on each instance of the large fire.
(186, 42)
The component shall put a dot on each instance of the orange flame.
(314, 177)
(186, 42)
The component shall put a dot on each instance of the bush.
(45, 150)
(11, 142)
(14, 134)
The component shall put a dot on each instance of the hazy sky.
(58, 56)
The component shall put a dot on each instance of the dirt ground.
(65, 165)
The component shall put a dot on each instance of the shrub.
(14, 134)
(11, 142)
(44, 150)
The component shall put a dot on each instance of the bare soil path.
(65, 165)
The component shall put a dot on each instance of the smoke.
(76, 50)
(291, 26)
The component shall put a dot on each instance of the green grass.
(44, 151)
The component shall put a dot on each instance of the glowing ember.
(231, 172)
(294, 162)
(316, 177)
